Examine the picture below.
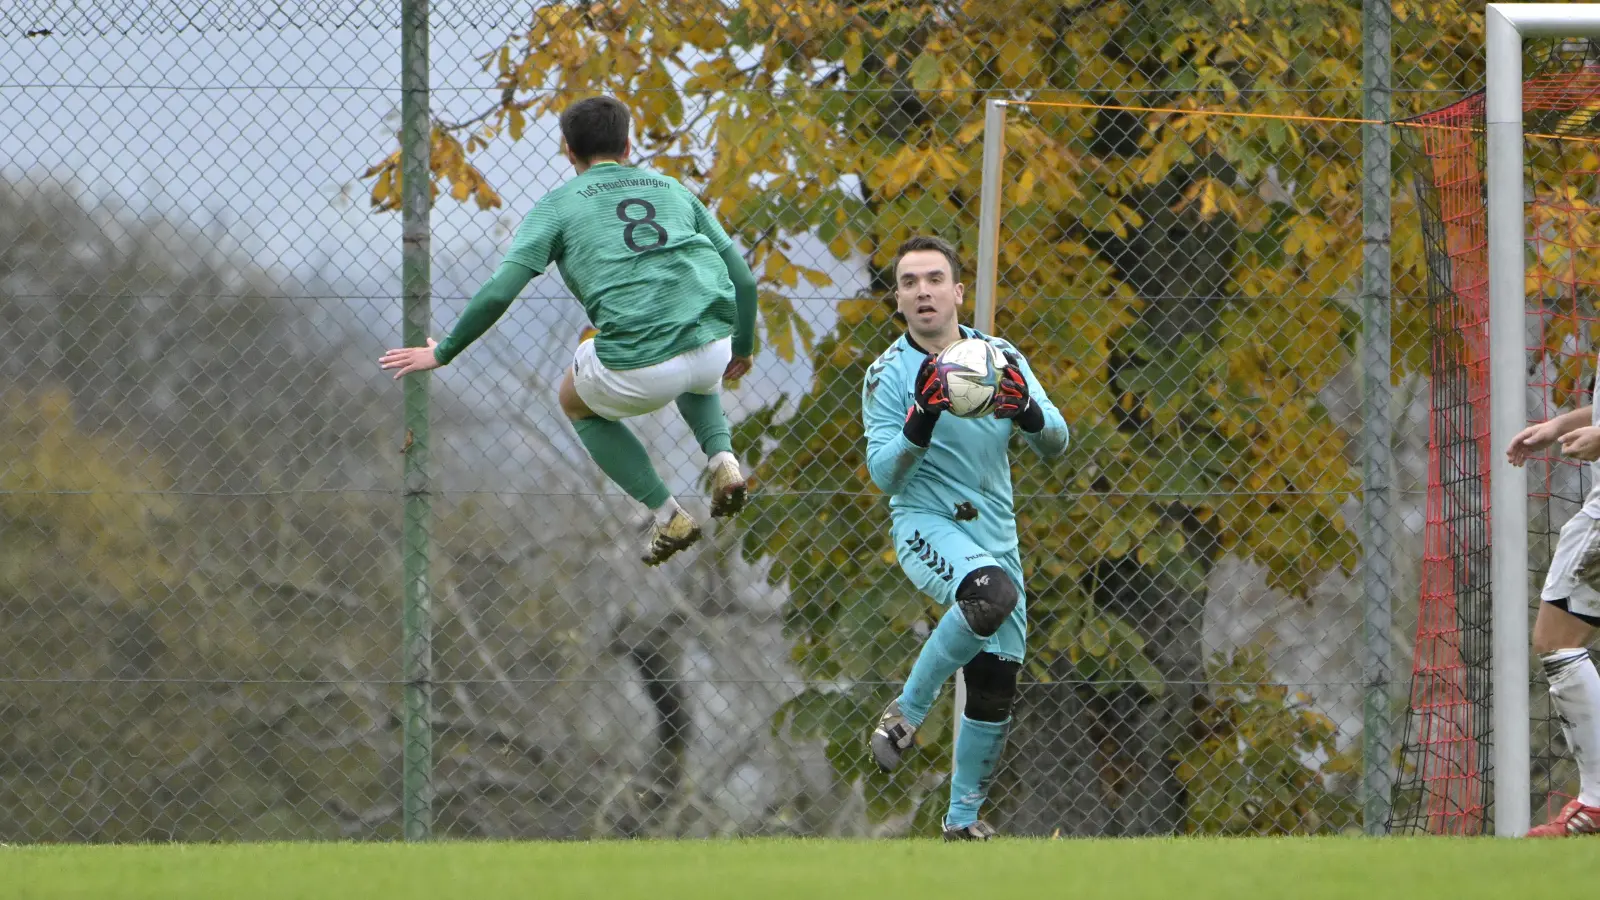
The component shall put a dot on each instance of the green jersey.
(643, 256)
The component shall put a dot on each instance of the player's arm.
(484, 309)
(1569, 421)
(1023, 400)
(744, 281)
(536, 244)
(898, 436)
(744, 299)
(1534, 438)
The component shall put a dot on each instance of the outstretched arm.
(486, 306)
(1534, 438)
(535, 245)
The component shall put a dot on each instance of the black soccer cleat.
(679, 533)
(892, 738)
(977, 831)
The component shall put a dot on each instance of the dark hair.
(930, 242)
(595, 126)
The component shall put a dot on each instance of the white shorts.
(620, 395)
(1574, 574)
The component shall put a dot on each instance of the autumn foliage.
(1182, 277)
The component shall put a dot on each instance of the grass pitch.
(1191, 869)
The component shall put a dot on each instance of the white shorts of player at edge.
(1574, 574)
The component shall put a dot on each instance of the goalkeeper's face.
(928, 296)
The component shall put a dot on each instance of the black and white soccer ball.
(971, 369)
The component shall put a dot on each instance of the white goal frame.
(1505, 25)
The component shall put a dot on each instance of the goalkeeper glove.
(930, 396)
(1014, 401)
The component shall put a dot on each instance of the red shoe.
(1573, 820)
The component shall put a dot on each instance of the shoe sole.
(729, 500)
(669, 547)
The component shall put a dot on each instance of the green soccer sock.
(703, 412)
(618, 453)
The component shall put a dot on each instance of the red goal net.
(1445, 783)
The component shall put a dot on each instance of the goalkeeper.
(673, 302)
(954, 530)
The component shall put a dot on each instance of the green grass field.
(1191, 869)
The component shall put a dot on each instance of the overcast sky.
(261, 133)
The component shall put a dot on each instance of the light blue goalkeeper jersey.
(967, 460)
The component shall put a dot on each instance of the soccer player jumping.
(954, 530)
(1567, 618)
(673, 301)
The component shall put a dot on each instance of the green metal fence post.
(417, 641)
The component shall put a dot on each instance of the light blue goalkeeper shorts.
(936, 553)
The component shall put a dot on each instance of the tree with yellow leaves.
(1180, 276)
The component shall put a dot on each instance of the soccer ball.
(971, 369)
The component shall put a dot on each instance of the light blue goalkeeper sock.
(951, 646)
(978, 749)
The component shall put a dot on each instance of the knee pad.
(986, 596)
(991, 687)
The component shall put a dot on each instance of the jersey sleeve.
(537, 242)
(706, 224)
(1052, 439)
(486, 307)
(746, 298)
(892, 459)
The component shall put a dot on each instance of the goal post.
(994, 151)
(983, 276)
(1505, 27)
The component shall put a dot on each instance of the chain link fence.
(200, 494)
